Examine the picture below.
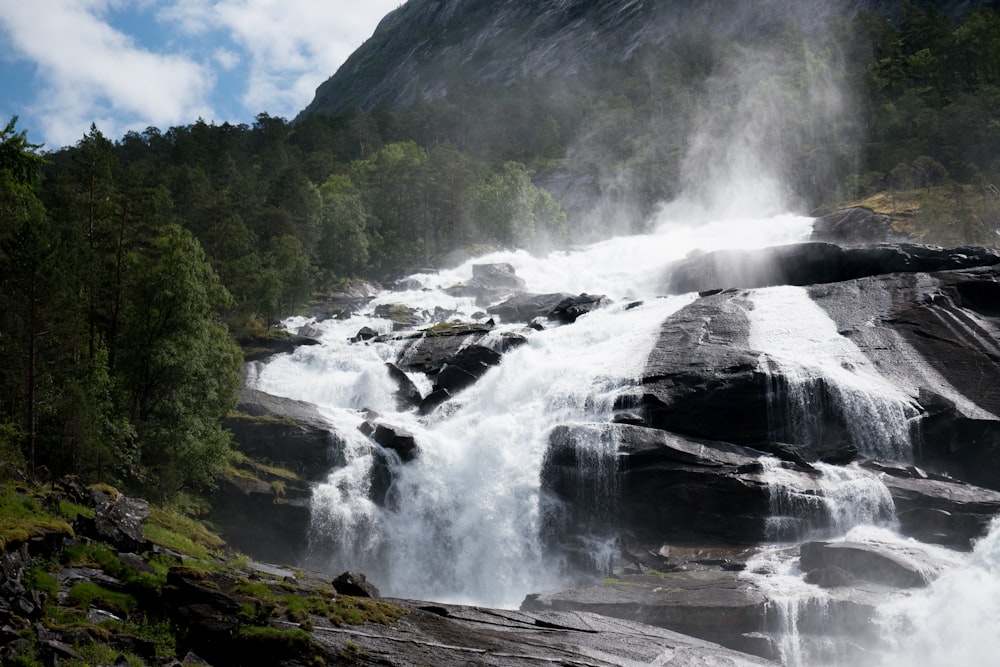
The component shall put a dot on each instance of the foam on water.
(461, 523)
(821, 380)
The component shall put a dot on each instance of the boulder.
(402, 316)
(853, 226)
(489, 283)
(257, 349)
(118, 520)
(343, 303)
(527, 307)
(356, 585)
(284, 431)
(392, 437)
(893, 565)
(407, 394)
(569, 309)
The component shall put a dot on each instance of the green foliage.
(87, 594)
(23, 517)
(181, 534)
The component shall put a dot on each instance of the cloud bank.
(129, 64)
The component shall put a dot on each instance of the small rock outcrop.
(853, 226)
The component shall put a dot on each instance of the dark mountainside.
(426, 48)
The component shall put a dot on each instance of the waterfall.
(830, 503)
(823, 390)
(953, 622)
(463, 521)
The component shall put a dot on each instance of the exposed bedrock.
(815, 263)
(924, 345)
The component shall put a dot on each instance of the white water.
(462, 522)
(827, 382)
(796, 608)
(827, 504)
(954, 622)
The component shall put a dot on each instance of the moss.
(108, 490)
(181, 533)
(290, 640)
(22, 517)
(86, 594)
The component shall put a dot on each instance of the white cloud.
(94, 73)
(267, 55)
(293, 45)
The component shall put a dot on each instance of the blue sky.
(129, 64)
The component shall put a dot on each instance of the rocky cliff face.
(425, 48)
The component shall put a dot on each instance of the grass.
(86, 594)
(23, 517)
(946, 215)
(181, 534)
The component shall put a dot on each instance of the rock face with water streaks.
(914, 329)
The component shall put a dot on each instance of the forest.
(131, 267)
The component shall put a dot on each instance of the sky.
(131, 64)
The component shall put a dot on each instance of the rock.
(888, 565)
(815, 263)
(117, 520)
(526, 307)
(345, 302)
(364, 334)
(489, 282)
(656, 487)
(283, 431)
(435, 347)
(829, 577)
(253, 518)
(355, 584)
(407, 394)
(256, 349)
(391, 437)
(402, 316)
(937, 509)
(715, 606)
(853, 226)
(569, 309)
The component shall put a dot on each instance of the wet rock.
(569, 309)
(364, 334)
(815, 263)
(402, 316)
(392, 437)
(489, 282)
(257, 349)
(889, 565)
(283, 431)
(407, 394)
(853, 226)
(712, 605)
(355, 584)
(527, 307)
(342, 304)
(935, 508)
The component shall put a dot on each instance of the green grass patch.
(87, 594)
(293, 639)
(23, 517)
(181, 534)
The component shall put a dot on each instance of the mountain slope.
(426, 47)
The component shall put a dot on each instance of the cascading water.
(822, 388)
(462, 521)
